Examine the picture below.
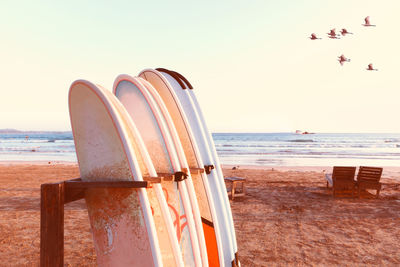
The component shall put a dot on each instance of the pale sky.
(252, 64)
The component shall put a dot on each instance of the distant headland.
(15, 131)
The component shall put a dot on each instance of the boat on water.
(301, 132)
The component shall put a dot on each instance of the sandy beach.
(287, 218)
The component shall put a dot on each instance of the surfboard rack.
(177, 176)
(194, 170)
(53, 197)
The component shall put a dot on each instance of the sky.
(251, 63)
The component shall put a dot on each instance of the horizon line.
(11, 130)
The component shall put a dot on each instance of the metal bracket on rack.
(208, 168)
(180, 176)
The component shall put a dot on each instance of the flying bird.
(314, 37)
(367, 23)
(370, 67)
(344, 32)
(343, 59)
(332, 34)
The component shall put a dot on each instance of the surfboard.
(184, 117)
(128, 225)
(197, 183)
(214, 157)
(150, 123)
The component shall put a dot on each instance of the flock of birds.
(332, 35)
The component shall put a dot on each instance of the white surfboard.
(150, 122)
(108, 146)
(170, 90)
(197, 183)
(214, 156)
(119, 218)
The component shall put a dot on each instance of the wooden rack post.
(52, 224)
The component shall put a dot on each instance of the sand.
(287, 218)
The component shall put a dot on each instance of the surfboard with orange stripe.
(214, 219)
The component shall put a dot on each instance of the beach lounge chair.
(342, 178)
(368, 178)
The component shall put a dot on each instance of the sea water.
(257, 149)
(325, 149)
(37, 146)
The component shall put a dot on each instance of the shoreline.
(388, 171)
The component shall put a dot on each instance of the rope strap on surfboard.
(183, 82)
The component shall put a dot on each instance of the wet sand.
(287, 218)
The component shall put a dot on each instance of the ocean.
(291, 149)
(256, 149)
(37, 146)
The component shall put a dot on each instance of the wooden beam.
(166, 176)
(105, 184)
(197, 170)
(152, 179)
(52, 225)
(73, 194)
(194, 170)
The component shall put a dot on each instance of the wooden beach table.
(234, 190)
